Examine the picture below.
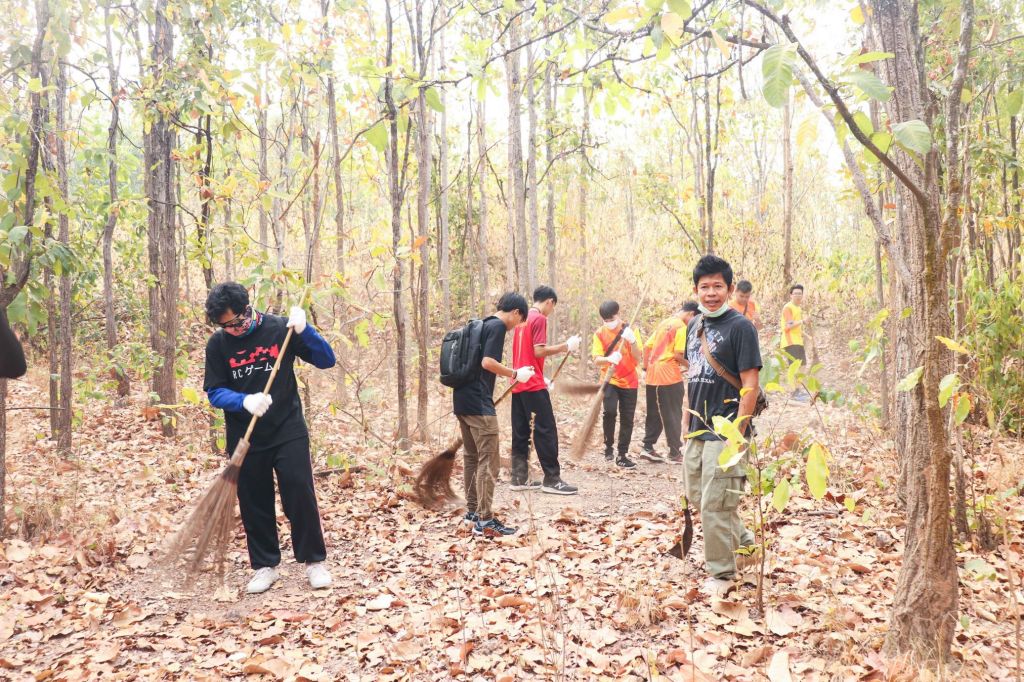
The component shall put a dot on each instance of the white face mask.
(612, 325)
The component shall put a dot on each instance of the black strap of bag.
(611, 346)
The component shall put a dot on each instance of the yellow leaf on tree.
(953, 345)
(722, 45)
(672, 26)
(621, 14)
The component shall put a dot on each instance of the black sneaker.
(651, 456)
(492, 528)
(559, 487)
(471, 517)
(609, 454)
(528, 485)
(624, 462)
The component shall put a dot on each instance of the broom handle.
(508, 390)
(277, 366)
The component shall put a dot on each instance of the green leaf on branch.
(731, 455)
(780, 496)
(378, 136)
(433, 99)
(682, 8)
(963, 407)
(953, 345)
(817, 471)
(777, 72)
(870, 84)
(913, 135)
(868, 57)
(1013, 102)
(725, 428)
(908, 382)
(949, 383)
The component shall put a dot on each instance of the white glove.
(524, 374)
(573, 342)
(548, 383)
(297, 319)
(257, 403)
(628, 335)
(615, 358)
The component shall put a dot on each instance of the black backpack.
(461, 353)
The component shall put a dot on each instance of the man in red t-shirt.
(529, 348)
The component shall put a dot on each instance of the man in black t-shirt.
(732, 341)
(239, 358)
(473, 405)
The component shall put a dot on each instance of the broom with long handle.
(210, 524)
(434, 482)
(579, 443)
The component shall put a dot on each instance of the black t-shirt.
(732, 340)
(477, 397)
(12, 357)
(244, 364)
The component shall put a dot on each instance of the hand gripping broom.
(579, 443)
(434, 482)
(210, 524)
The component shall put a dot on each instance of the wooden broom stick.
(579, 443)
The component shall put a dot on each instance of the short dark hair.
(608, 310)
(513, 301)
(690, 307)
(226, 296)
(544, 293)
(795, 287)
(712, 265)
(744, 286)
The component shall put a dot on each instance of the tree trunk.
(584, 176)
(531, 174)
(158, 144)
(444, 245)
(64, 237)
(925, 603)
(787, 193)
(395, 193)
(549, 209)
(469, 232)
(119, 374)
(481, 240)
(204, 138)
(516, 183)
(263, 131)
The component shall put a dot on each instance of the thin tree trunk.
(444, 246)
(264, 167)
(531, 173)
(787, 192)
(481, 141)
(549, 209)
(516, 181)
(469, 232)
(584, 175)
(64, 237)
(119, 374)
(422, 37)
(395, 192)
(159, 142)
(204, 138)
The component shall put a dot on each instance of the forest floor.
(586, 590)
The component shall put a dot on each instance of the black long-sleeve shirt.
(12, 357)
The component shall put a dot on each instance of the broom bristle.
(582, 440)
(569, 386)
(434, 482)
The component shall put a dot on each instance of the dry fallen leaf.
(778, 669)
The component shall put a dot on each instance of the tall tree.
(444, 265)
(64, 340)
(481, 171)
(516, 179)
(787, 192)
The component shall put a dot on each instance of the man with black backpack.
(473, 404)
(723, 355)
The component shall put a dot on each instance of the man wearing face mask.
(617, 348)
(732, 342)
(239, 358)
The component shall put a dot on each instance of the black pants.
(665, 411)
(545, 435)
(622, 400)
(291, 462)
(798, 353)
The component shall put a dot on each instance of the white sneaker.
(318, 576)
(717, 588)
(261, 582)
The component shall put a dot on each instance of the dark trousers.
(545, 435)
(291, 463)
(665, 412)
(623, 401)
(798, 353)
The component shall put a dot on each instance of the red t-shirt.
(533, 333)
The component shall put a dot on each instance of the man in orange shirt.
(665, 359)
(616, 348)
(744, 305)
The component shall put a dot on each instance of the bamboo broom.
(579, 443)
(209, 526)
(433, 486)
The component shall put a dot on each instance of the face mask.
(707, 313)
(612, 325)
(253, 323)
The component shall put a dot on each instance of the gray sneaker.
(525, 485)
(559, 487)
(651, 456)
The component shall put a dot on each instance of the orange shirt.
(748, 311)
(625, 372)
(668, 339)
